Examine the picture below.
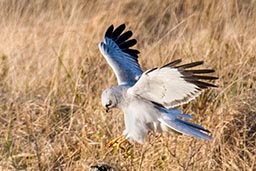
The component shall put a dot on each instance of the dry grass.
(52, 76)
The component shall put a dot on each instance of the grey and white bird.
(148, 99)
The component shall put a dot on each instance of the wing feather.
(118, 31)
(128, 44)
(117, 52)
(190, 65)
(109, 31)
(172, 64)
(172, 85)
(124, 37)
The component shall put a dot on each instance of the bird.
(149, 99)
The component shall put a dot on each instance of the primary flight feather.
(148, 98)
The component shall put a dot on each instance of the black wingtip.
(201, 71)
(125, 36)
(193, 76)
(172, 64)
(109, 31)
(201, 84)
(118, 31)
(202, 77)
(122, 39)
(190, 65)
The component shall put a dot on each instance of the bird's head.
(108, 99)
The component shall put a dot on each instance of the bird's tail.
(185, 127)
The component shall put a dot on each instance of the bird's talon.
(117, 143)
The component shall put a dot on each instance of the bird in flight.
(148, 99)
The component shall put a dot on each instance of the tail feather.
(185, 127)
(195, 126)
(177, 113)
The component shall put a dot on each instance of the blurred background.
(52, 76)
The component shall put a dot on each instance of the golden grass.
(52, 76)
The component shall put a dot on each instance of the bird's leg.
(117, 142)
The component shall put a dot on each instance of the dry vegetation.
(52, 76)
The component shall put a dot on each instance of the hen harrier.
(148, 99)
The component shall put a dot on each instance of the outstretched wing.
(117, 52)
(172, 85)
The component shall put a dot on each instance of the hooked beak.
(107, 109)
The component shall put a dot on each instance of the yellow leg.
(117, 142)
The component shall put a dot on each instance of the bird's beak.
(107, 109)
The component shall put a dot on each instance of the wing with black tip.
(116, 48)
(173, 85)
